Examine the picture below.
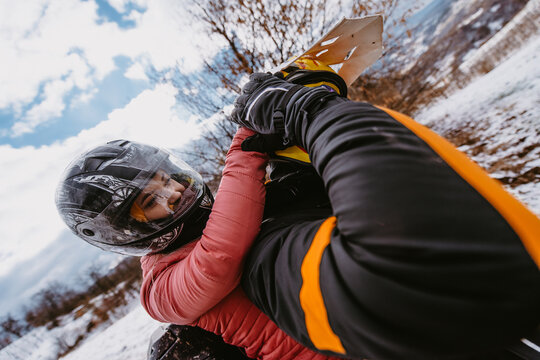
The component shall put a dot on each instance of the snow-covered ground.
(124, 337)
(496, 121)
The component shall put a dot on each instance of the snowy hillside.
(446, 32)
(124, 336)
(126, 339)
(496, 121)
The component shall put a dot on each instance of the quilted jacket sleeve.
(181, 286)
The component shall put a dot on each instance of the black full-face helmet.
(97, 192)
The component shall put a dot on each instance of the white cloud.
(119, 5)
(52, 106)
(136, 72)
(28, 217)
(83, 98)
(46, 41)
(134, 15)
(151, 117)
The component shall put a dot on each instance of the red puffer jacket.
(198, 284)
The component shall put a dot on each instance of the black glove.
(270, 105)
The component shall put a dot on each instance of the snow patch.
(495, 121)
(124, 337)
(473, 17)
(495, 25)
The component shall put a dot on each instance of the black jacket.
(404, 249)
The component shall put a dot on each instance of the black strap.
(279, 112)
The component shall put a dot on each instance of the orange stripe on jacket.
(522, 220)
(318, 327)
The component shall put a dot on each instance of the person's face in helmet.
(158, 199)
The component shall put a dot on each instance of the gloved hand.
(270, 105)
(258, 107)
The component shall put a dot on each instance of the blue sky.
(114, 91)
(111, 91)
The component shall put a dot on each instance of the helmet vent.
(97, 163)
(88, 232)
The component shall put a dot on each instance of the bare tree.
(57, 299)
(257, 35)
(261, 34)
(10, 329)
(207, 153)
(5, 340)
(12, 326)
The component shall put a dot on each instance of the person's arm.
(418, 256)
(181, 286)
